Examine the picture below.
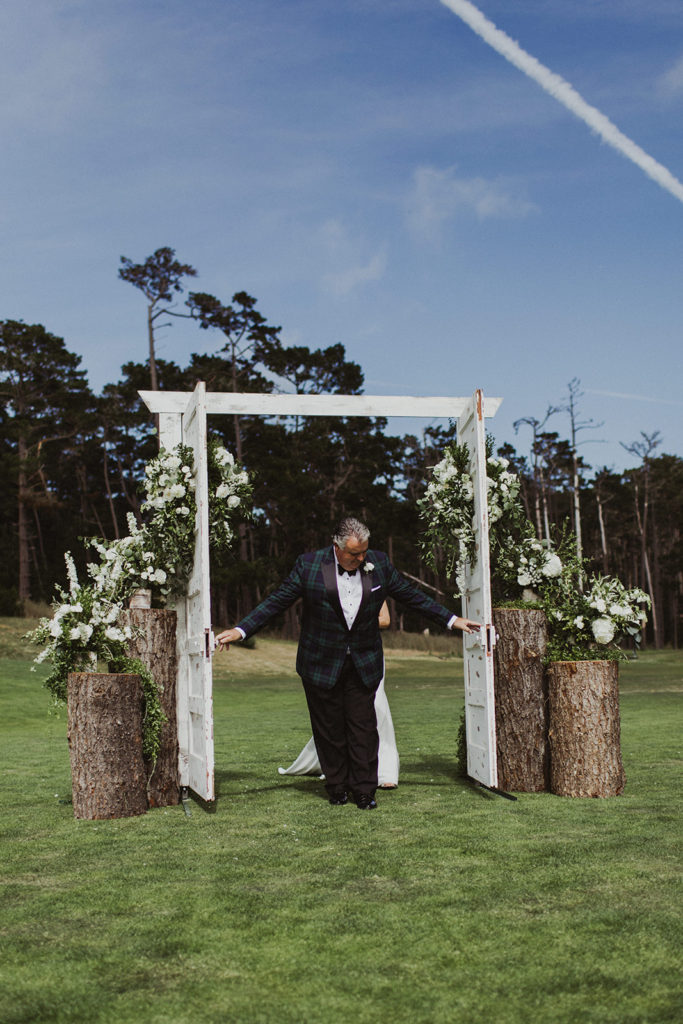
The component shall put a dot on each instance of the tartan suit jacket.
(325, 637)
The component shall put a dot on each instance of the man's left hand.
(466, 625)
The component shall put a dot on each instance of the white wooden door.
(480, 714)
(195, 647)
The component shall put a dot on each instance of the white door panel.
(480, 717)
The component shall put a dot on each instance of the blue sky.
(376, 175)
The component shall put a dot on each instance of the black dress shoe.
(338, 799)
(365, 801)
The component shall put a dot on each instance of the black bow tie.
(341, 570)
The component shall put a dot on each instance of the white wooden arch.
(182, 419)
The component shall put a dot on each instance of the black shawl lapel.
(329, 570)
(366, 577)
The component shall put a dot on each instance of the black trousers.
(344, 727)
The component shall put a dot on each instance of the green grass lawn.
(446, 904)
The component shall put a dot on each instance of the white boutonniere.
(368, 567)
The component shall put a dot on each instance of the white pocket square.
(376, 588)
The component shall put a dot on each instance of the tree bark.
(521, 699)
(105, 745)
(154, 643)
(585, 753)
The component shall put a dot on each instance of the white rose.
(524, 579)
(183, 510)
(159, 576)
(173, 462)
(603, 630)
(177, 491)
(222, 491)
(578, 621)
(55, 628)
(368, 567)
(233, 501)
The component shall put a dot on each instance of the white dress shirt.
(350, 590)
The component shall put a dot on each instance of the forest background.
(71, 463)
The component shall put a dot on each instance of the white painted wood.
(170, 429)
(480, 717)
(248, 404)
(195, 680)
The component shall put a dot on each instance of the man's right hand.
(227, 637)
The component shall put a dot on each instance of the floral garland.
(229, 493)
(159, 555)
(588, 616)
(518, 560)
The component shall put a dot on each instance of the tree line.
(71, 462)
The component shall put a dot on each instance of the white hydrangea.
(603, 630)
(552, 566)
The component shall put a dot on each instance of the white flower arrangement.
(518, 560)
(588, 617)
(230, 495)
(591, 624)
(159, 555)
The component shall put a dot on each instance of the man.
(340, 658)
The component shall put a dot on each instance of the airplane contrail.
(637, 398)
(564, 93)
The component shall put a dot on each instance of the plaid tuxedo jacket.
(325, 637)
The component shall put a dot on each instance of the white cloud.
(350, 266)
(671, 82)
(438, 195)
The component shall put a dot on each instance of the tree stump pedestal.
(154, 643)
(105, 745)
(584, 734)
(521, 699)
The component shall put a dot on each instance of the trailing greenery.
(446, 903)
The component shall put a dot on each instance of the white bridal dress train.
(307, 762)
